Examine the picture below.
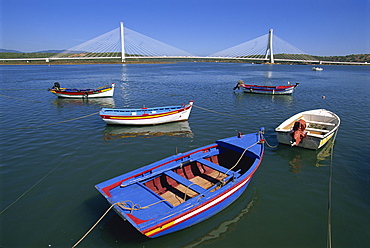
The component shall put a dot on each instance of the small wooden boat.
(184, 189)
(146, 116)
(317, 69)
(105, 91)
(262, 89)
(309, 129)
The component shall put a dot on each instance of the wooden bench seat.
(317, 130)
(184, 182)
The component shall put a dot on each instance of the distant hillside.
(50, 51)
(9, 51)
(348, 58)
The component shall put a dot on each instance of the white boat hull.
(316, 137)
(84, 94)
(181, 114)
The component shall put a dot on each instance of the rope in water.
(18, 98)
(77, 118)
(220, 112)
(269, 144)
(46, 175)
(241, 117)
(122, 205)
(329, 238)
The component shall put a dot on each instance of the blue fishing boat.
(185, 189)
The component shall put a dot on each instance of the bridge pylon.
(123, 57)
(269, 48)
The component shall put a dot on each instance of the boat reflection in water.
(299, 158)
(73, 102)
(179, 129)
(225, 227)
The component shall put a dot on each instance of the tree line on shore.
(347, 58)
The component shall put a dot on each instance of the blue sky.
(201, 27)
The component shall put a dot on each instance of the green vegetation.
(360, 58)
(25, 55)
(348, 58)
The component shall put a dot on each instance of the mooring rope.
(122, 205)
(77, 118)
(241, 156)
(219, 112)
(268, 143)
(329, 238)
(19, 98)
(47, 174)
(95, 224)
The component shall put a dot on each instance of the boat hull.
(327, 121)
(270, 90)
(203, 212)
(152, 116)
(308, 142)
(89, 93)
(151, 210)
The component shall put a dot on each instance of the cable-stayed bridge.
(125, 44)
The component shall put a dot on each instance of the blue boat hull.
(185, 189)
(208, 213)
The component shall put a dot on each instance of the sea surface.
(54, 151)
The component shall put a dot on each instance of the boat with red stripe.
(266, 89)
(104, 91)
(185, 189)
(147, 116)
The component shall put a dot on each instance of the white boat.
(146, 116)
(105, 91)
(309, 129)
(317, 68)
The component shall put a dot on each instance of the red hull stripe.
(144, 116)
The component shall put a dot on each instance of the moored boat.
(104, 91)
(147, 116)
(184, 189)
(309, 129)
(264, 89)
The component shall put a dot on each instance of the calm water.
(49, 165)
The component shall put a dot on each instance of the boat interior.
(200, 176)
(315, 124)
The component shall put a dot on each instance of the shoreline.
(175, 62)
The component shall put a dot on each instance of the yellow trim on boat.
(160, 228)
(141, 117)
(323, 141)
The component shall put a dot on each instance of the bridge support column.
(269, 48)
(123, 42)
